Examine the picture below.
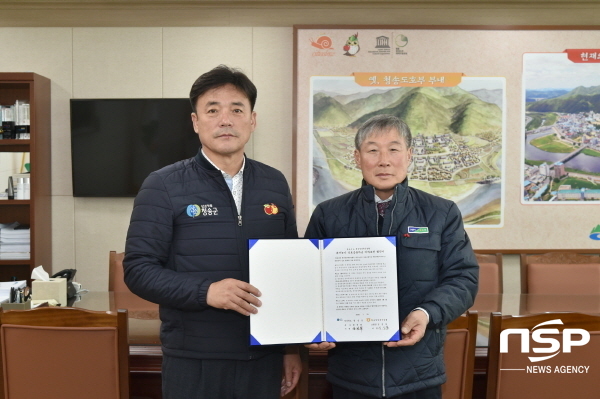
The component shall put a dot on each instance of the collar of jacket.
(398, 209)
(400, 192)
(205, 163)
(215, 174)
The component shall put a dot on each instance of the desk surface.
(145, 355)
(144, 323)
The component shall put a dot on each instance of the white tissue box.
(55, 289)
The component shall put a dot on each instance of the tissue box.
(55, 289)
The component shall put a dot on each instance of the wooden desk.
(508, 304)
(145, 354)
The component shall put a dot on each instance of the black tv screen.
(116, 143)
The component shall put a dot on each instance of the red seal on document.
(271, 209)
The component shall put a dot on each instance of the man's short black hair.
(220, 76)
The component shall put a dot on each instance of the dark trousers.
(222, 379)
(428, 393)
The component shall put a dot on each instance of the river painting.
(562, 130)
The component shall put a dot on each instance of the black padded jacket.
(185, 233)
(437, 271)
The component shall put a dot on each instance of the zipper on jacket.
(392, 214)
(377, 213)
(239, 215)
(382, 371)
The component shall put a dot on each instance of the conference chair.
(560, 273)
(513, 375)
(459, 357)
(64, 353)
(490, 273)
(115, 272)
(491, 285)
(560, 281)
(123, 297)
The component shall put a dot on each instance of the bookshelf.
(37, 211)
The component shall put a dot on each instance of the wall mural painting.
(562, 127)
(458, 127)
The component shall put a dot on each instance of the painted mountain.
(489, 96)
(427, 110)
(580, 99)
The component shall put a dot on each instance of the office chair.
(123, 298)
(489, 298)
(459, 357)
(64, 353)
(490, 273)
(560, 273)
(115, 272)
(523, 373)
(560, 281)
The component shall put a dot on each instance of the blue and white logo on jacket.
(194, 210)
(418, 230)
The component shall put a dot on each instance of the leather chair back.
(459, 357)
(64, 353)
(560, 272)
(116, 280)
(513, 375)
(563, 278)
(490, 273)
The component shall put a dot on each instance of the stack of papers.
(15, 241)
(6, 286)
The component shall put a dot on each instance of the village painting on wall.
(561, 97)
(457, 123)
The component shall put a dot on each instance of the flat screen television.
(117, 143)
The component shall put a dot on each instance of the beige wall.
(158, 59)
(138, 63)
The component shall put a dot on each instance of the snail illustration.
(323, 42)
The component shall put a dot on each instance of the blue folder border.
(254, 341)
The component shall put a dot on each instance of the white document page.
(288, 274)
(360, 289)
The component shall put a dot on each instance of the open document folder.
(341, 289)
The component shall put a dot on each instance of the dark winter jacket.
(437, 271)
(185, 233)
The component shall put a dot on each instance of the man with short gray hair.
(381, 123)
(437, 269)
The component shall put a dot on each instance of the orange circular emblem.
(271, 209)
